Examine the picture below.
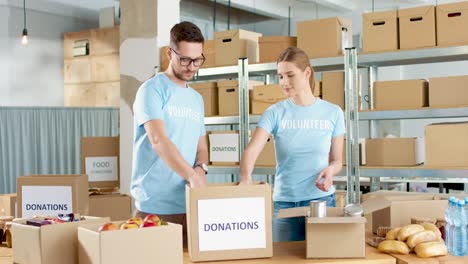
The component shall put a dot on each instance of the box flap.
(416, 11)
(336, 220)
(375, 203)
(293, 212)
(277, 39)
(376, 16)
(454, 7)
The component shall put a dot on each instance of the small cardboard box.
(447, 145)
(115, 206)
(163, 61)
(317, 89)
(394, 151)
(417, 27)
(448, 91)
(397, 210)
(228, 96)
(452, 21)
(209, 92)
(100, 161)
(264, 96)
(324, 37)
(160, 244)
(52, 195)
(228, 221)
(49, 244)
(272, 46)
(380, 31)
(209, 53)
(333, 88)
(404, 94)
(8, 204)
(267, 156)
(224, 147)
(231, 45)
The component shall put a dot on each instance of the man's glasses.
(185, 61)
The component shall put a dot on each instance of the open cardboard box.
(48, 244)
(160, 244)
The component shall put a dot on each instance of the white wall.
(32, 75)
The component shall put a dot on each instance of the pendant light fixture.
(24, 39)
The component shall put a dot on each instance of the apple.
(129, 226)
(152, 218)
(108, 227)
(163, 222)
(135, 220)
(148, 224)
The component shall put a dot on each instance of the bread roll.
(392, 234)
(421, 237)
(409, 230)
(430, 249)
(393, 246)
(433, 228)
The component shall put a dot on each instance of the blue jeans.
(293, 229)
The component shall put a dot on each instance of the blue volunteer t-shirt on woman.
(302, 137)
(157, 188)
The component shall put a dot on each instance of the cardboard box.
(8, 204)
(115, 206)
(267, 156)
(49, 244)
(100, 161)
(333, 88)
(163, 61)
(52, 194)
(317, 89)
(244, 212)
(264, 96)
(448, 91)
(447, 145)
(417, 27)
(394, 151)
(380, 31)
(452, 21)
(231, 45)
(272, 46)
(161, 244)
(224, 147)
(404, 94)
(209, 92)
(398, 209)
(335, 35)
(228, 96)
(209, 53)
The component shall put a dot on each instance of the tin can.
(318, 209)
(353, 210)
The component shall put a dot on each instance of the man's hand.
(201, 174)
(325, 179)
(245, 180)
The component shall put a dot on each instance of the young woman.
(308, 135)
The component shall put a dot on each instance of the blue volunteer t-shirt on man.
(302, 137)
(156, 187)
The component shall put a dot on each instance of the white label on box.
(224, 147)
(228, 224)
(101, 168)
(46, 200)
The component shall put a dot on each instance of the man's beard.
(180, 75)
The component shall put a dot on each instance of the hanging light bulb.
(24, 39)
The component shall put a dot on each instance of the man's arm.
(202, 157)
(168, 152)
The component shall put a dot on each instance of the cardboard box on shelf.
(452, 21)
(264, 96)
(335, 35)
(52, 194)
(115, 206)
(403, 94)
(209, 92)
(48, 244)
(209, 53)
(417, 27)
(272, 46)
(228, 96)
(394, 151)
(163, 61)
(333, 88)
(317, 88)
(380, 31)
(161, 244)
(448, 91)
(8, 204)
(100, 161)
(241, 232)
(231, 45)
(224, 147)
(447, 145)
(267, 156)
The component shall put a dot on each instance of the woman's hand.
(325, 179)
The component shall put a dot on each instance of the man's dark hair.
(185, 31)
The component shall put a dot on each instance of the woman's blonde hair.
(300, 59)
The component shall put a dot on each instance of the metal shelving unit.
(414, 114)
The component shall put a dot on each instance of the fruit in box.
(108, 227)
(131, 225)
(137, 220)
(148, 224)
(152, 218)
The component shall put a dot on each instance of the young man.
(170, 148)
